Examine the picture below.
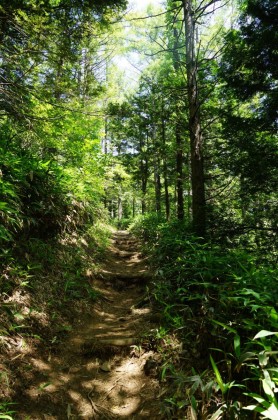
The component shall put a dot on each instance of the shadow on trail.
(98, 372)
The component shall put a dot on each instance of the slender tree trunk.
(112, 209)
(179, 170)
(179, 142)
(105, 151)
(144, 174)
(165, 169)
(166, 189)
(189, 189)
(120, 208)
(144, 191)
(157, 184)
(196, 141)
(133, 207)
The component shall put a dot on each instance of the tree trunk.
(166, 189)
(105, 151)
(196, 141)
(144, 174)
(179, 170)
(179, 145)
(157, 184)
(133, 207)
(165, 168)
(120, 208)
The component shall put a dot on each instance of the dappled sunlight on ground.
(95, 372)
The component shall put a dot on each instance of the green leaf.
(217, 375)
(263, 359)
(268, 384)
(255, 396)
(237, 345)
(250, 407)
(246, 356)
(272, 412)
(250, 292)
(227, 327)
(195, 378)
(194, 404)
(274, 315)
(217, 414)
(264, 333)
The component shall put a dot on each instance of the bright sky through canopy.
(142, 4)
(124, 63)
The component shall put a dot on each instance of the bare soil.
(102, 369)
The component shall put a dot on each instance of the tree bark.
(165, 168)
(144, 173)
(195, 132)
(120, 208)
(179, 170)
(179, 142)
(157, 183)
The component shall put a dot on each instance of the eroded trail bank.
(101, 371)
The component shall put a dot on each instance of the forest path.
(99, 371)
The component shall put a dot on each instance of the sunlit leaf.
(264, 333)
(217, 375)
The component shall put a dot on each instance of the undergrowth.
(222, 304)
(45, 285)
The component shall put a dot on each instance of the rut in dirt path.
(101, 372)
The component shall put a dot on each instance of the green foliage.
(33, 35)
(5, 410)
(147, 227)
(34, 199)
(217, 298)
(124, 224)
(73, 260)
(251, 53)
(266, 373)
(51, 167)
(246, 136)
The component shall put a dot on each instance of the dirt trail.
(100, 372)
